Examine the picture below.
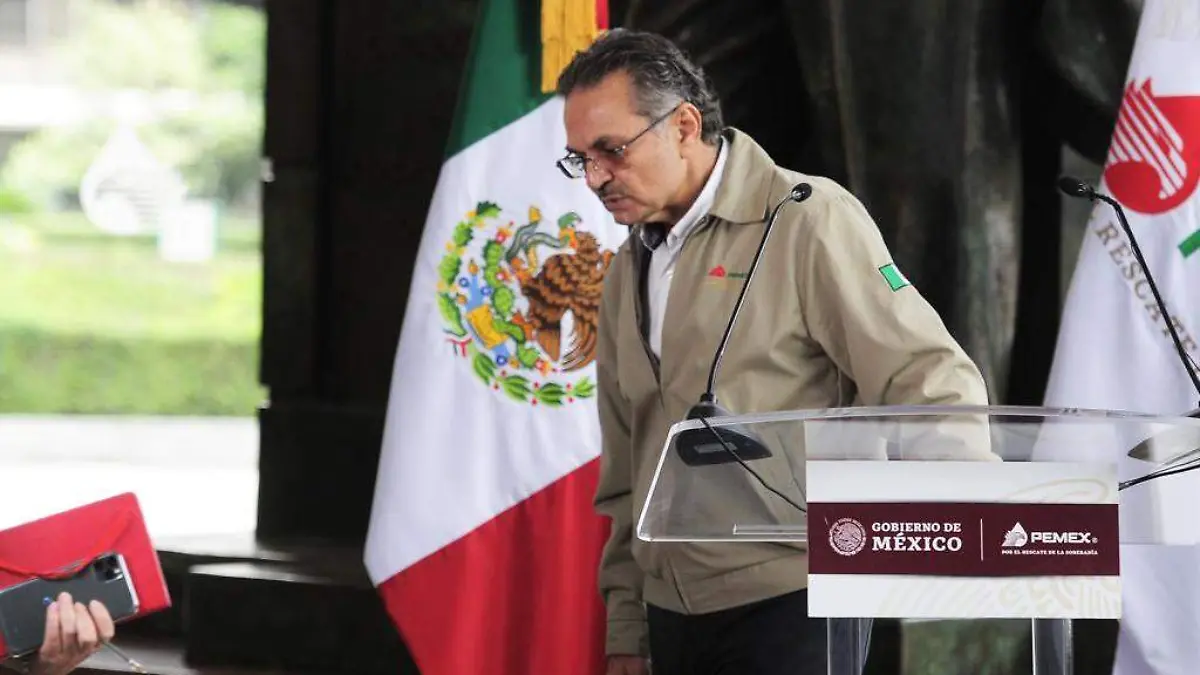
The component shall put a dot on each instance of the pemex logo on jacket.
(1154, 161)
(504, 308)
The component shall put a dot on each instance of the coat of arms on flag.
(506, 309)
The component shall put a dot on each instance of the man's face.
(640, 184)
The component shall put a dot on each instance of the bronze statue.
(946, 117)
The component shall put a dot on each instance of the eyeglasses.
(575, 164)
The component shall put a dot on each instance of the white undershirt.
(662, 261)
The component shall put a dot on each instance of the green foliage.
(492, 254)
(14, 202)
(508, 328)
(232, 40)
(483, 366)
(96, 324)
(64, 279)
(503, 300)
(215, 146)
(527, 356)
(551, 394)
(515, 386)
(462, 234)
(487, 210)
(144, 45)
(167, 45)
(584, 388)
(451, 314)
(518, 387)
(448, 268)
(53, 372)
(47, 166)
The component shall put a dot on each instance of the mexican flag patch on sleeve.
(891, 274)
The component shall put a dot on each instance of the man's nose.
(596, 175)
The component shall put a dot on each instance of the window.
(130, 258)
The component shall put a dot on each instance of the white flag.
(1114, 350)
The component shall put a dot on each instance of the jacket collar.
(743, 195)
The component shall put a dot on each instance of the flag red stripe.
(602, 14)
(515, 596)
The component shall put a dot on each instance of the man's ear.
(690, 124)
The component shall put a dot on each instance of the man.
(73, 633)
(827, 322)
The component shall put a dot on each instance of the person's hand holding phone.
(73, 633)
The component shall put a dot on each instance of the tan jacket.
(821, 327)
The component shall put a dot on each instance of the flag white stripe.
(456, 454)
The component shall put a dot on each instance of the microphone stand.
(1158, 299)
(1074, 187)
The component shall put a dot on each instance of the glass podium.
(935, 513)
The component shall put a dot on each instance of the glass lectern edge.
(1085, 414)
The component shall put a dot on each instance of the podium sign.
(933, 512)
(963, 539)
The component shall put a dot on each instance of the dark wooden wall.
(359, 101)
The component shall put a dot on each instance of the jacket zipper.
(642, 260)
(641, 267)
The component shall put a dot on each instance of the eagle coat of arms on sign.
(526, 325)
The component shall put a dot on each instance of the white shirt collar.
(704, 201)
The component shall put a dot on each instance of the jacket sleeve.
(620, 578)
(877, 328)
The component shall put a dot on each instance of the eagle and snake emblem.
(504, 307)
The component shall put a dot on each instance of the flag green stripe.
(502, 78)
(1190, 245)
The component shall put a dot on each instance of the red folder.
(62, 544)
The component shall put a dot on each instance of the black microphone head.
(1074, 187)
(801, 191)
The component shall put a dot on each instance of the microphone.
(696, 447)
(1073, 187)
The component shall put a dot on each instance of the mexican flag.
(1114, 351)
(483, 542)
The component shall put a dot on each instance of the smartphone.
(23, 606)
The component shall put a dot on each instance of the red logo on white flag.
(1154, 161)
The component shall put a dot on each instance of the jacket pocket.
(701, 561)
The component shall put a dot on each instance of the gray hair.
(663, 76)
